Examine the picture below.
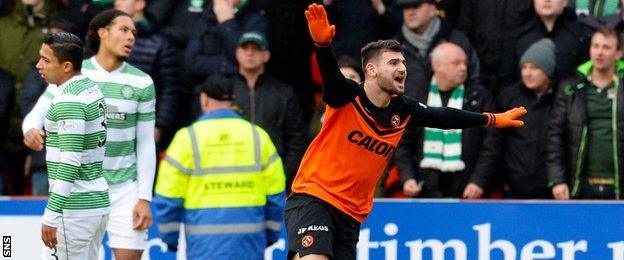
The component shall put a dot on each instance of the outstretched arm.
(450, 118)
(337, 90)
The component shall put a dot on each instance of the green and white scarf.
(442, 148)
(600, 7)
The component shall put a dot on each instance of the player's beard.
(387, 85)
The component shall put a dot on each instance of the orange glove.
(507, 119)
(322, 33)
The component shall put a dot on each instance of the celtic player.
(130, 159)
(77, 212)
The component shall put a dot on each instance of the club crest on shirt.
(395, 120)
(127, 92)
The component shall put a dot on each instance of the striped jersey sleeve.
(76, 136)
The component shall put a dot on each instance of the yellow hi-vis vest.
(222, 178)
(223, 162)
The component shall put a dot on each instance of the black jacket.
(571, 40)
(154, 55)
(212, 46)
(521, 151)
(359, 26)
(410, 151)
(489, 25)
(7, 96)
(567, 127)
(291, 48)
(419, 68)
(274, 106)
(176, 19)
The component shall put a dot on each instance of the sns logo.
(6, 246)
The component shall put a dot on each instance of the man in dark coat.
(554, 21)
(423, 30)
(272, 104)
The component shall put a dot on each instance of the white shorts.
(78, 238)
(123, 198)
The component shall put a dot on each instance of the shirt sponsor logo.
(312, 228)
(371, 144)
(116, 116)
(66, 126)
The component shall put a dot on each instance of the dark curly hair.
(101, 20)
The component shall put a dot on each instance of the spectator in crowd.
(350, 69)
(222, 175)
(421, 32)
(597, 14)
(7, 96)
(448, 10)
(554, 21)
(292, 50)
(22, 34)
(521, 151)
(177, 19)
(34, 86)
(268, 102)
(363, 22)
(91, 8)
(585, 140)
(488, 24)
(212, 46)
(130, 159)
(153, 54)
(596, 8)
(445, 161)
(6, 6)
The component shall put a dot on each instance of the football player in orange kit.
(334, 188)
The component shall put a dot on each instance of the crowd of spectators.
(477, 55)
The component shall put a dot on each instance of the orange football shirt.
(346, 159)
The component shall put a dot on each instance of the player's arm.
(146, 147)
(171, 185)
(146, 156)
(451, 118)
(36, 117)
(32, 125)
(337, 90)
(71, 117)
